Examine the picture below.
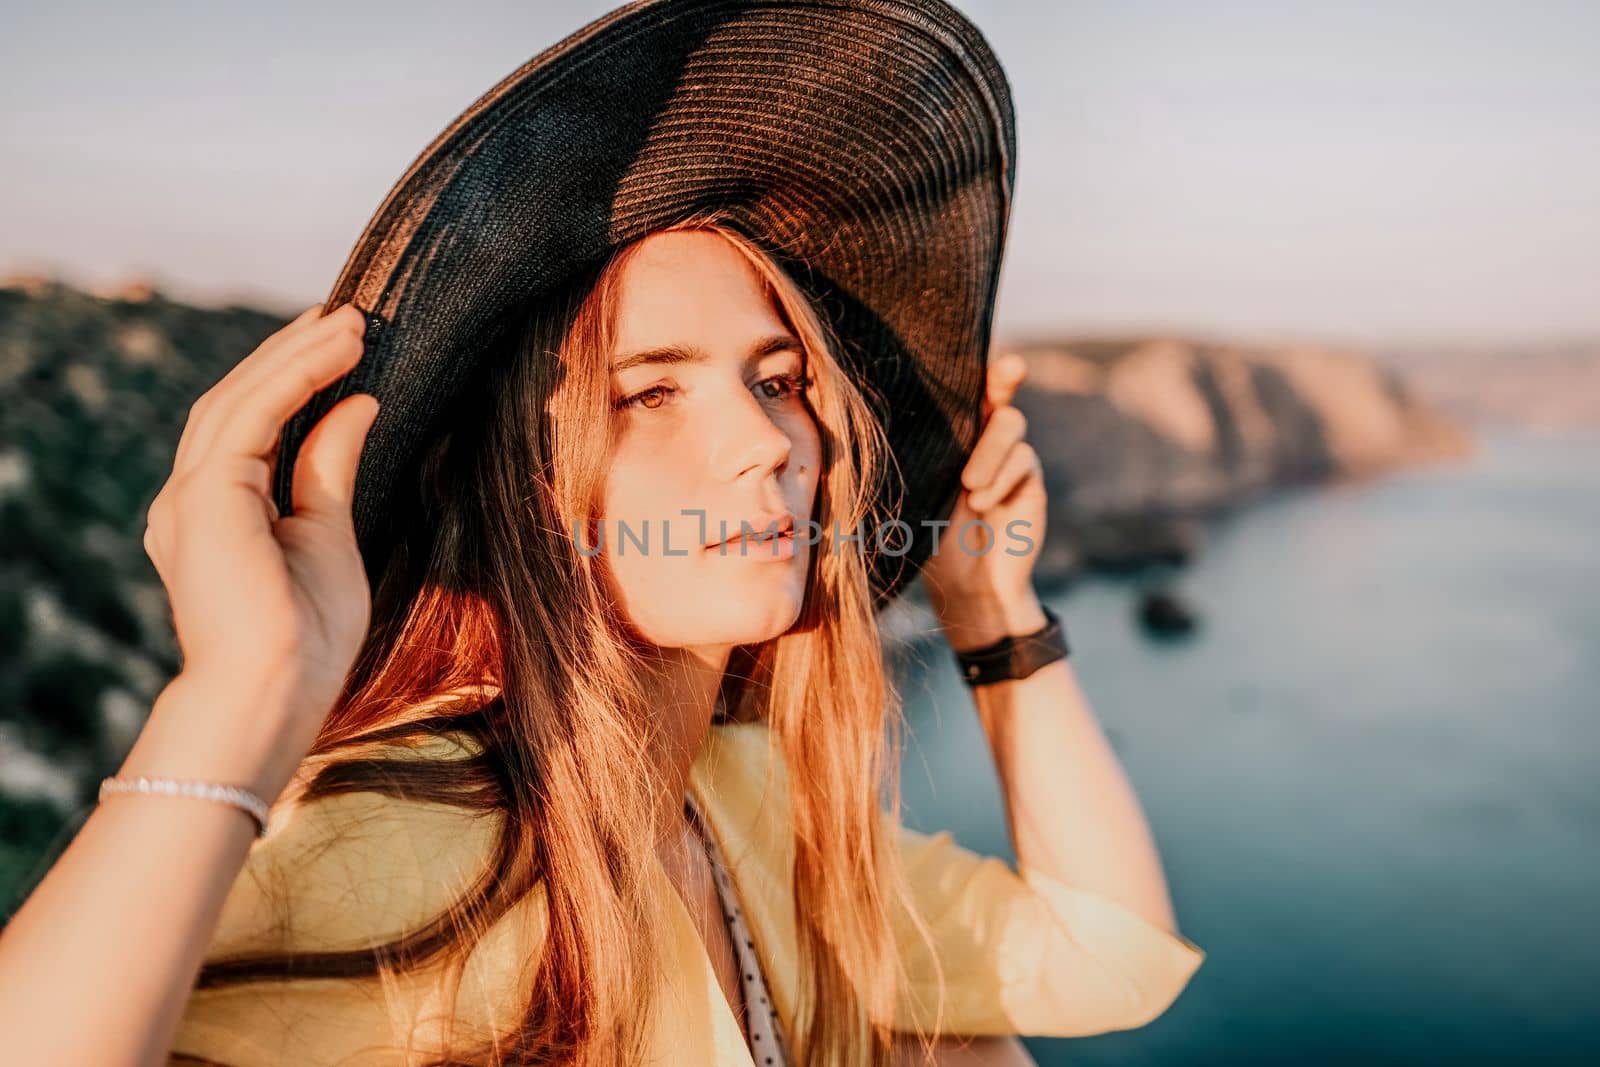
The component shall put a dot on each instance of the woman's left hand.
(980, 577)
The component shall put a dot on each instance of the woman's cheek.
(807, 447)
(629, 483)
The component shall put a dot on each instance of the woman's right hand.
(262, 601)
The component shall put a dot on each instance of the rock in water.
(1162, 612)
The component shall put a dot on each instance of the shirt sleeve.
(1023, 952)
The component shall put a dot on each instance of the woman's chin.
(753, 614)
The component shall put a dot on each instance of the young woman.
(603, 769)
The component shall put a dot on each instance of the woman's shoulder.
(357, 850)
(362, 849)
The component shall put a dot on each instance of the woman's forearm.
(1071, 810)
(97, 964)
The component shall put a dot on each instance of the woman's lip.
(754, 527)
(780, 546)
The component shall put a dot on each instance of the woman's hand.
(980, 578)
(262, 602)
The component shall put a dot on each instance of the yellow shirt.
(1022, 952)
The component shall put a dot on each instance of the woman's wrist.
(973, 621)
(204, 729)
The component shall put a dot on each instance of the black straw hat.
(869, 145)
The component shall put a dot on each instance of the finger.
(1005, 375)
(325, 473)
(347, 317)
(309, 315)
(255, 420)
(1005, 428)
(219, 403)
(197, 409)
(1021, 463)
(256, 425)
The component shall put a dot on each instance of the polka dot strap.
(761, 1024)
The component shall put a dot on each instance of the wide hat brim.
(870, 145)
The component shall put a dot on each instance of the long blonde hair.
(486, 583)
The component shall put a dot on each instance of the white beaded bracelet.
(228, 794)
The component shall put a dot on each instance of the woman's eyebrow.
(777, 342)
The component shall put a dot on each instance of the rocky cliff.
(1141, 437)
(1544, 386)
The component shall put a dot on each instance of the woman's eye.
(643, 397)
(786, 383)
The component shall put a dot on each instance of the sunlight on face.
(717, 427)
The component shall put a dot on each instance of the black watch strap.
(1012, 658)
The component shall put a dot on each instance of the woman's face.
(712, 428)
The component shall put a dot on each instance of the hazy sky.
(1348, 171)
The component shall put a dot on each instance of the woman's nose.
(749, 440)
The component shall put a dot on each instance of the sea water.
(1373, 772)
